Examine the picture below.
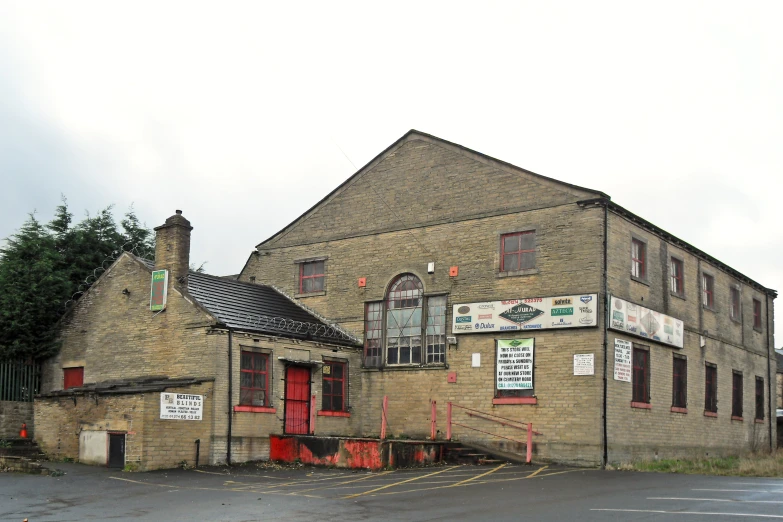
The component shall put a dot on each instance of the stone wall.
(12, 415)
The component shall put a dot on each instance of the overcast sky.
(239, 114)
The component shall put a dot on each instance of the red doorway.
(297, 400)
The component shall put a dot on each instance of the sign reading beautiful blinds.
(514, 368)
(537, 313)
(181, 406)
(159, 290)
(643, 322)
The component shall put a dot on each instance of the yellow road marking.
(205, 489)
(471, 479)
(399, 483)
(539, 470)
(336, 486)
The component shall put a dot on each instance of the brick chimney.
(172, 247)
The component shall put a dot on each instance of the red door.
(297, 400)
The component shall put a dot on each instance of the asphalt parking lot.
(499, 492)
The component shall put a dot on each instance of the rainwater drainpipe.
(606, 334)
(230, 395)
(770, 378)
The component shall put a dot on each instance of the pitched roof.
(260, 308)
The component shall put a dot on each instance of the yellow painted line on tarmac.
(399, 483)
(493, 480)
(471, 479)
(539, 470)
(337, 486)
(203, 489)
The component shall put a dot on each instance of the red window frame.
(73, 377)
(641, 375)
(680, 382)
(676, 267)
(756, 314)
(518, 252)
(251, 371)
(735, 302)
(736, 395)
(708, 290)
(331, 400)
(638, 259)
(711, 388)
(759, 398)
(318, 276)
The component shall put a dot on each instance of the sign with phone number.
(181, 406)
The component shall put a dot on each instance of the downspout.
(230, 396)
(771, 378)
(605, 458)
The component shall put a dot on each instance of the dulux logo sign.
(586, 298)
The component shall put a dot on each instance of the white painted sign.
(622, 360)
(643, 322)
(584, 364)
(181, 406)
(476, 360)
(536, 313)
(514, 368)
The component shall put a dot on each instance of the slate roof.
(260, 308)
(158, 383)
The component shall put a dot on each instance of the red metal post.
(529, 442)
(433, 424)
(383, 416)
(312, 415)
(448, 420)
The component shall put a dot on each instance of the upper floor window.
(311, 277)
(677, 285)
(73, 377)
(735, 303)
(638, 259)
(399, 329)
(757, 314)
(708, 290)
(518, 251)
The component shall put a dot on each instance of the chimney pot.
(179, 212)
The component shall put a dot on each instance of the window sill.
(710, 308)
(255, 409)
(641, 405)
(515, 400)
(514, 273)
(759, 421)
(310, 294)
(325, 413)
(678, 296)
(713, 414)
(675, 409)
(759, 330)
(735, 418)
(735, 320)
(640, 280)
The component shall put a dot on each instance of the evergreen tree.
(138, 237)
(32, 292)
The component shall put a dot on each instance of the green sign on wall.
(159, 291)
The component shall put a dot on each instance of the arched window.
(395, 327)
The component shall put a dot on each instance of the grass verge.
(754, 465)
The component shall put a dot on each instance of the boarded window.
(736, 394)
(711, 388)
(641, 375)
(311, 277)
(680, 382)
(677, 277)
(335, 386)
(759, 398)
(518, 251)
(254, 379)
(638, 259)
(73, 377)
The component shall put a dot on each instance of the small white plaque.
(476, 362)
(584, 364)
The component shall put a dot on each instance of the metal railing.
(19, 380)
(491, 417)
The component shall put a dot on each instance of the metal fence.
(19, 380)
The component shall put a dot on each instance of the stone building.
(519, 297)
(156, 357)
